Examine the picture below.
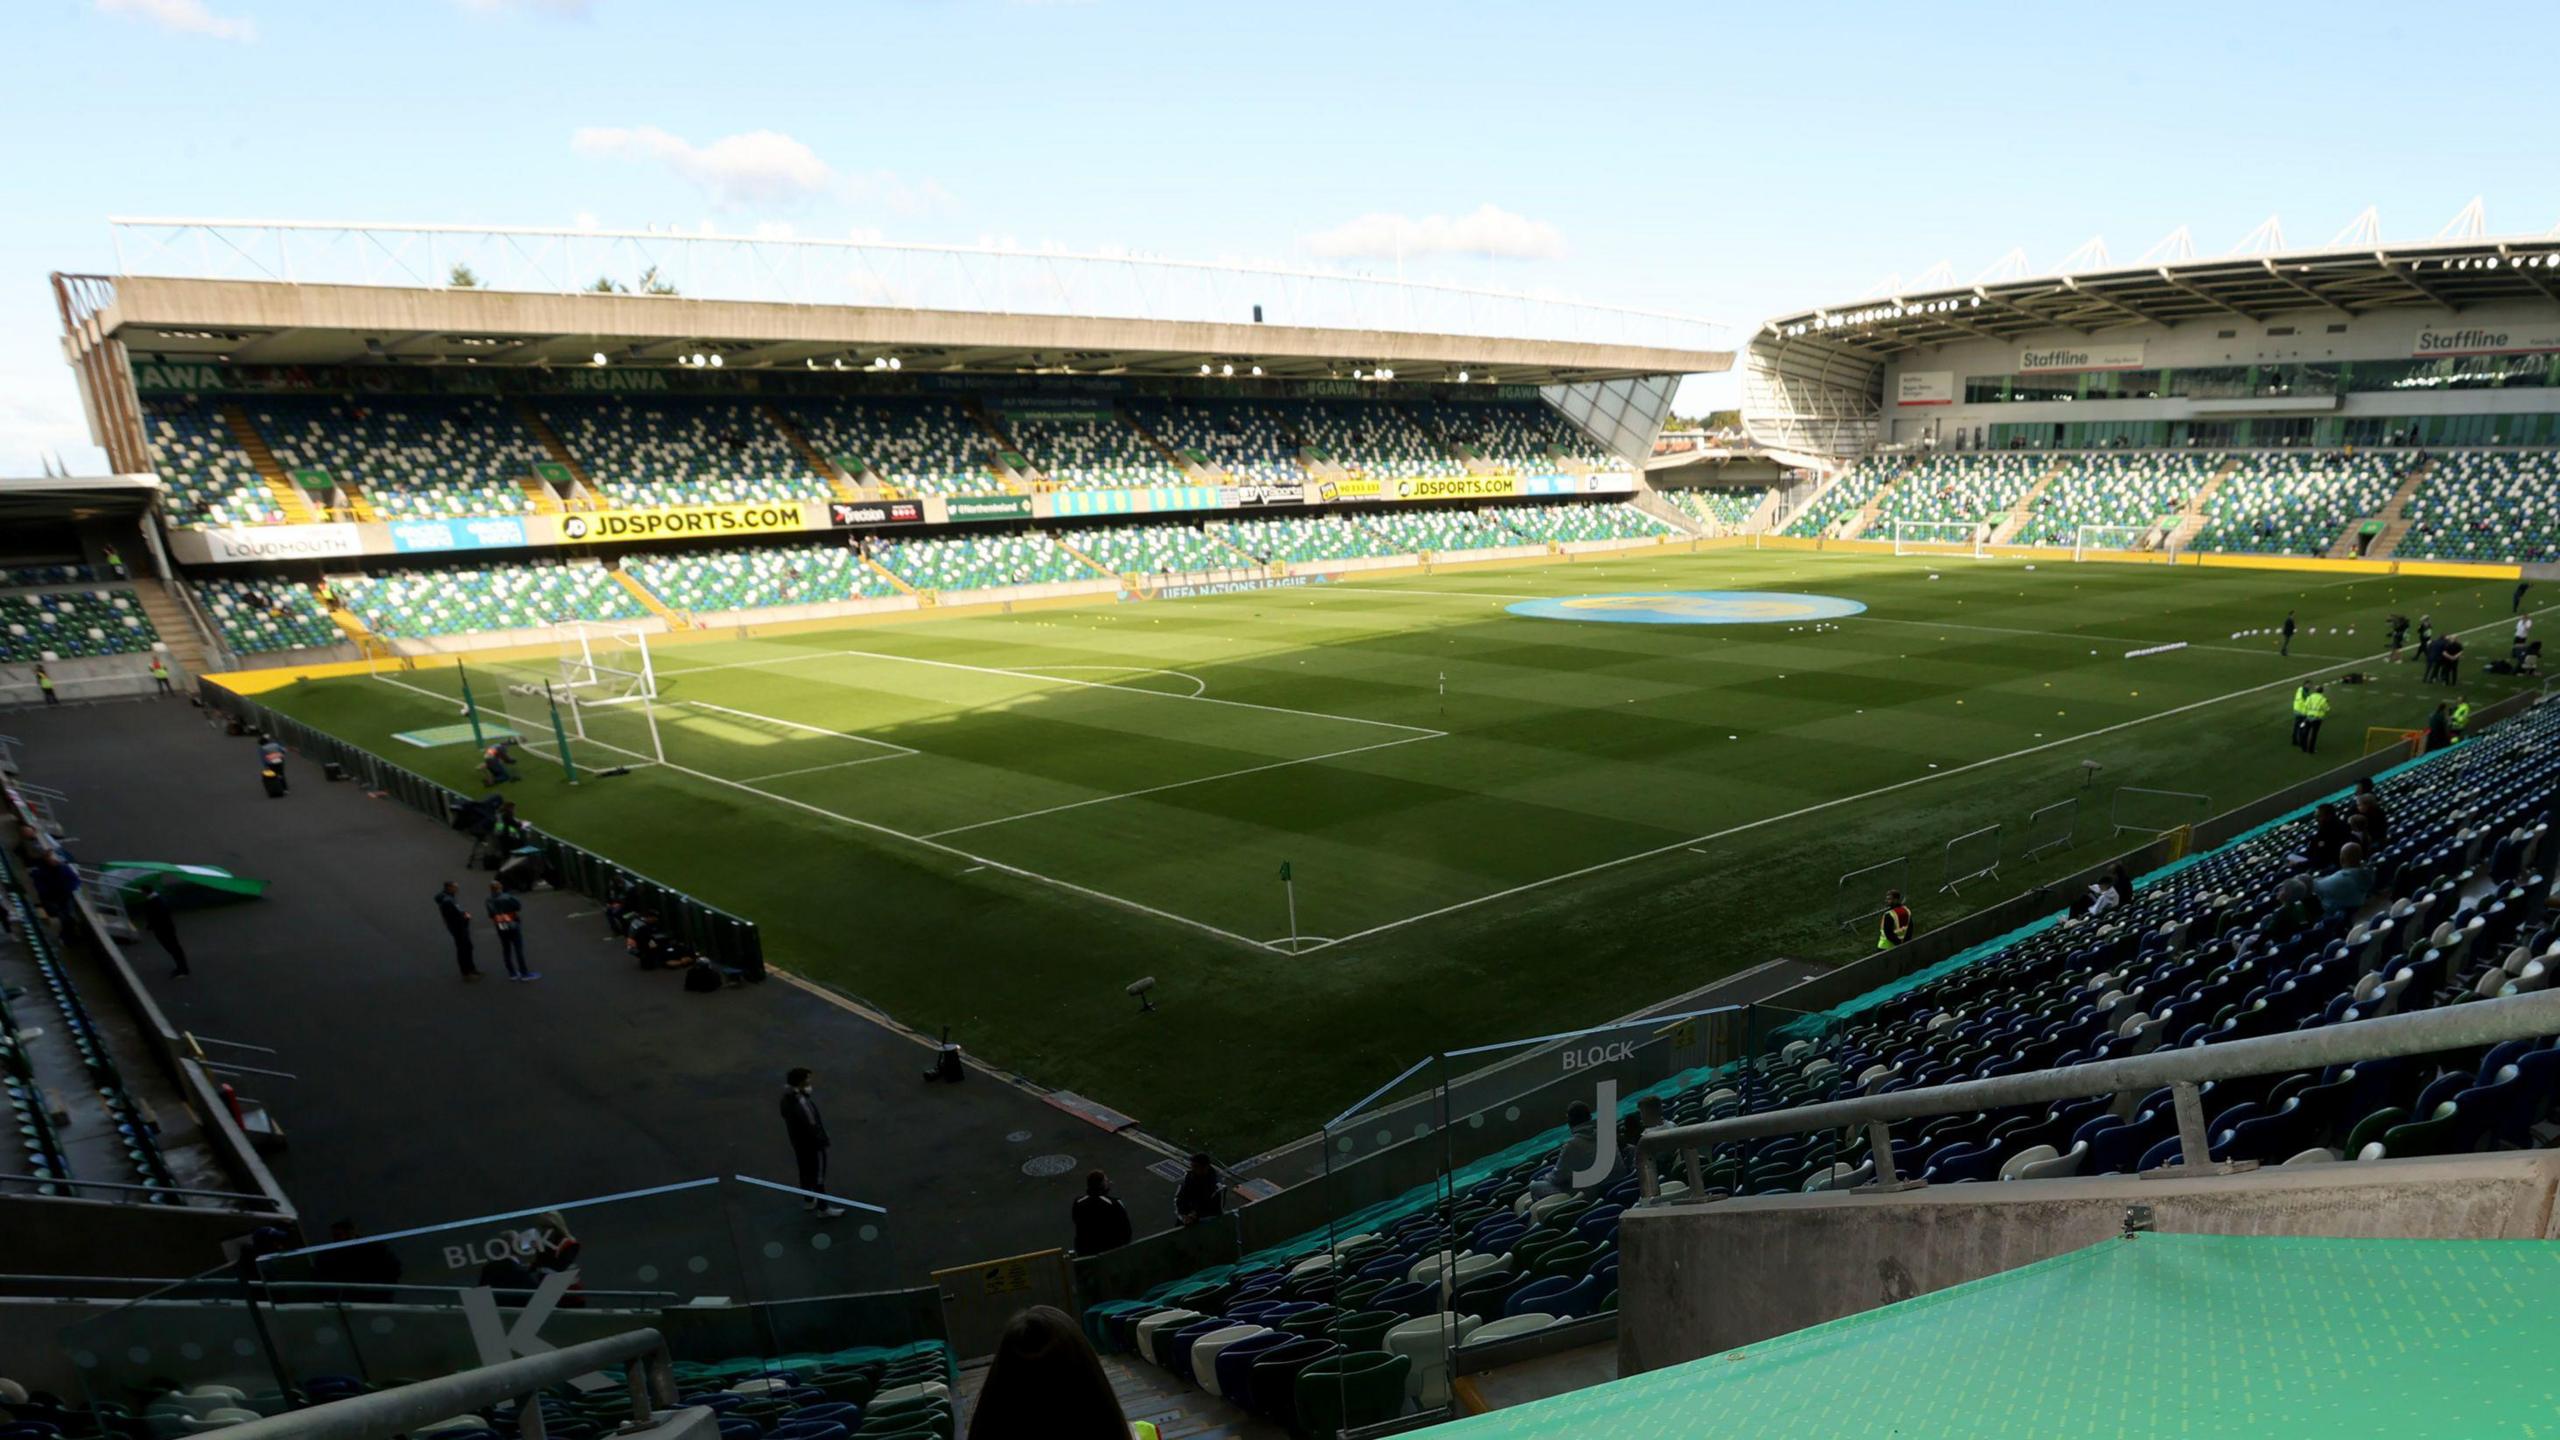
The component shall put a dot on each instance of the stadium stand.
(978, 562)
(271, 615)
(2141, 488)
(412, 456)
(68, 624)
(1523, 437)
(681, 451)
(1725, 510)
(1298, 539)
(1247, 440)
(2216, 947)
(2489, 505)
(1570, 524)
(1375, 439)
(2294, 503)
(919, 447)
(1086, 447)
(1154, 549)
(1434, 531)
(1846, 497)
(211, 480)
(15, 577)
(495, 597)
(760, 578)
(1964, 489)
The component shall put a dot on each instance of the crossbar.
(386, 1413)
(2455, 1027)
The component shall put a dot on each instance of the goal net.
(1940, 537)
(2119, 539)
(606, 662)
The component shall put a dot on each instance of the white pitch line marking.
(1180, 784)
(1820, 806)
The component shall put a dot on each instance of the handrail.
(2454, 1027)
(386, 1413)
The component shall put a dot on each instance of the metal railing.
(648, 1376)
(2455, 1027)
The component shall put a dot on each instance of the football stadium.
(760, 836)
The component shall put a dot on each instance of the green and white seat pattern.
(979, 562)
(1717, 509)
(1568, 524)
(495, 597)
(2297, 503)
(1846, 497)
(1104, 453)
(211, 480)
(1298, 539)
(921, 446)
(2134, 488)
(1154, 549)
(760, 578)
(1376, 439)
(1960, 488)
(1529, 438)
(1435, 530)
(256, 616)
(1248, 441)
(415, 457)
(682, 452)
(72, 624)
(2487, 505)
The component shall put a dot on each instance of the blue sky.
(1720, 163)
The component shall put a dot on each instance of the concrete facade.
(1701, 1279)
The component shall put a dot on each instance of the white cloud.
(1487, 231)
(751, 167)
(187, 17)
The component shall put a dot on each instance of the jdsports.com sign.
(589, 527)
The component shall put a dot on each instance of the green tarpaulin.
(2158, 1335)
(179, 882)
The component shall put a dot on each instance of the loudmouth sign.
(874, 512)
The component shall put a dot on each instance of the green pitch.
(1497, 826)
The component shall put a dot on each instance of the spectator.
(348, 1261)
(1101, 1221)
(2121, 880)
(156, 917)
(2449, 659)
(2285, 647)
(57, 883)
(2439, 729)
(2368, 803)
(457, 923)
(2295, 910)
(2344, 890)
(2328, 832)
(115, 562)
(494, 761)
(506, 917)
(809, 1144)
(1200, 1198)
(1576, 1157)
(1046, 1382)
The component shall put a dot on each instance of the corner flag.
(1284, 872)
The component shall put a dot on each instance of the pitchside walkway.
(419, 1099)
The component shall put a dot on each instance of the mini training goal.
(2120, 538)
(1940, 537)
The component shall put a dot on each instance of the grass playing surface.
(995, 822)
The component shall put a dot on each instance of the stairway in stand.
(2395, 516)
(1176, 1410)
(177, 627)
(2025, 510)
(558, 450)
(838, 484)
(287, 495)
(2200, 508)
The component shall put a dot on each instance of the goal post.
(1941, 537)
(607, 662)
(2120, 539)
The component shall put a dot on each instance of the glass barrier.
(825, 1272)
(1370, 1306)
(171, 1359)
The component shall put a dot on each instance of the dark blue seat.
(1235, 1363)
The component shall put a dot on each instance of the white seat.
(2316, 1155)
(927, 1390)
(1428, 1342)
(2033, 1154)
(1507, 1327)
(1204, 1352)
(2052, 1168)
(1162, 1323)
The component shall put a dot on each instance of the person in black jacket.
(457, 923)
(808, 1131)
(1200, 1197)
(1102, 1222)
